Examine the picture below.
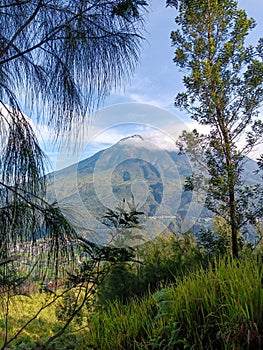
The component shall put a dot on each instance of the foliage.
(119, 284)
(172, 3)
(66, 55)
(124, 224)
(167, 259)
(223, 90)
(214, 309)
(128, 8)
(160, 262)
(58, 60)
(65, 308)
(37, 332)
(217, 306)
(216, 241)
(122, 326)
(75, 294)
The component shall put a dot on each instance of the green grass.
(122, 326)
(220, 307)
(21, 310)
(217, 308)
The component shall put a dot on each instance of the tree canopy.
(66, 55)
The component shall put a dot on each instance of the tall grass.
(122, 327)
(220, 307)
(217, 308)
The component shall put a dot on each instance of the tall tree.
(61, 58)
(223, 90)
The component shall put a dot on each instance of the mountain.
(132, 168)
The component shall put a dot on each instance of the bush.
(119, 284)
(161, 262)
(166, 260)
(66, 307)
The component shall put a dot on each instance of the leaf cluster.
(66, 56)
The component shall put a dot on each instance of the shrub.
(119, 284)
(66, 307)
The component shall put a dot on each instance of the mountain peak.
(135, 137)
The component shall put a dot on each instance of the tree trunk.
(231, 181)
(233, 224)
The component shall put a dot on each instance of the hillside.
(130, 168)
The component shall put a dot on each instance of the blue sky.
(145, 105)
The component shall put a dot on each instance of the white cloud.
(109, 125)
(139, 98)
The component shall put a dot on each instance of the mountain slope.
(132, 168)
